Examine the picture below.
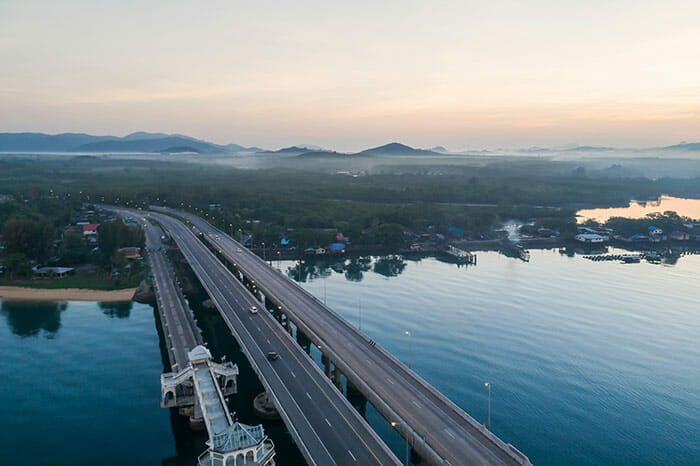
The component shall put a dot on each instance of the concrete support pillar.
(336, 378)
(303, 341)
(415, 457)
(326, 365)
(356, 398)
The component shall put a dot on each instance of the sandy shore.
(65, 294)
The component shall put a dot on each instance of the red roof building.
(90, 229)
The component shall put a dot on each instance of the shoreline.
(20, 293)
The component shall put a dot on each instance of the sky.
(350, 75)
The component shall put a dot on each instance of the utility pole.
(488, 385)
(409, 348)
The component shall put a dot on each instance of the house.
(589, 238)
(131, 252)
(679, 236)
(337, 248)
(90, 229)
(59, 272)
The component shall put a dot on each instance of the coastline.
(19, 293)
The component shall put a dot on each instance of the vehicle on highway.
(217, 237)
(240, 250)
(272, 356)
(254, 310)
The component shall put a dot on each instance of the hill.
(293, 150)
(150, 145)
(395, 148)
(690, 146)
(47, 142)
(135, 142)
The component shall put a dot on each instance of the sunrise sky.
(348, 75)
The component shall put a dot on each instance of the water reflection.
(390, 266)
(118, 309)
(640, 209)
(352, 268)
(30, 319)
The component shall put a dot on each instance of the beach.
(65, 294)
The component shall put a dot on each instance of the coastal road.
(327, 429)
(437, 428)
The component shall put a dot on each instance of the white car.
(240, 250)
(253, 310)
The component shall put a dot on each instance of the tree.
(17, 265)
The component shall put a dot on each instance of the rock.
(208, 304)
(144, 293)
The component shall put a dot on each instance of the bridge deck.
(327, 429)
(437, 428)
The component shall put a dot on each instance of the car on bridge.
(273, 356)
(254, 310)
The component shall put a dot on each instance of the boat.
(631, 258)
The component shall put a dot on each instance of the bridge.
(197, 385)
(437, 430)
(327, 429)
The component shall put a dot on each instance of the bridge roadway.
(325, 426)
(440, 431)
(179, 328)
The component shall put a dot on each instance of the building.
(90, 229)
(131, 252)
(59, 272)
(336, 248)
(590, 238)
(679, 236)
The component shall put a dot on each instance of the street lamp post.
(409, 348)
(488, 385)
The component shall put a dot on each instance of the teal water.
(590, 362)
(80, 385)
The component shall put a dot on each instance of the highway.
(437, 428)
(180, 331)
(326, 428)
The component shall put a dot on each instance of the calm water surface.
(639, 209)
(590, 362)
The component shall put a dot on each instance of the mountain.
(237, 148)
(47, 142)
(150, 145)
(135, 142)
(440, 149)
(589, 149)
(691, 146)
(293, 150)
(323, 154)
(395, 148)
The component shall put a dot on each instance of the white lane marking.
(307, 394)
(353, 456)
(390, 381)
(450, 434)
(416, 403)
(292, 372)
(328, 422)
(268, 341)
